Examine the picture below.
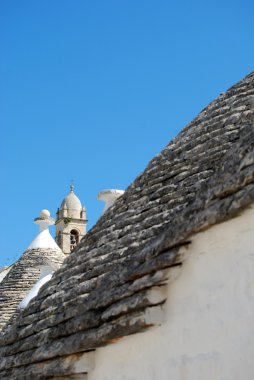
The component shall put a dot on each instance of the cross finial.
(72, 185)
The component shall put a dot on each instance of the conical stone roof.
(202, 177)
(43, 251)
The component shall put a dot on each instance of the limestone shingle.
(204, 176)
(21, 278)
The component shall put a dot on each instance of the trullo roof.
(204, 176)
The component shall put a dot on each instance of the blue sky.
(92, 90)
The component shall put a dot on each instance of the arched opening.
(74, 239)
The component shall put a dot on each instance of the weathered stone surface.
(21, 278)
(100, 294)
(71, 366)
(84, 341)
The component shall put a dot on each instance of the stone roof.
(20, 279)
(204, 176)
(22, 276)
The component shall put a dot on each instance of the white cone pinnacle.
(44, 239)
(45, 214)
(109, 196)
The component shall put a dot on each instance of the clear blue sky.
(92, 90)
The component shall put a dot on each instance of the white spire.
(44, 239)
(109, 197)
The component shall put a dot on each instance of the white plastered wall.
(4, 272)
(209, 328)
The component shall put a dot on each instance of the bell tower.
(70, 222)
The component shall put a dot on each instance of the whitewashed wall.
(4, 272)
(209, 328)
